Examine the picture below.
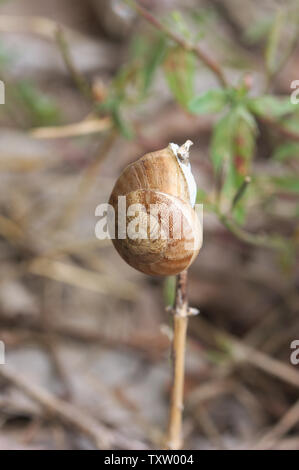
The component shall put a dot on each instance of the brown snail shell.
(158, 178)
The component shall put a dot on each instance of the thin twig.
(203, 56)
(285, 424)
(76, 75)
(71, 415)
(148, 345)
(85, 127)
(50, 342)
(239, 352)
(65, 412)
(74, 204)
(180, 317)
(10, 230)
(204, 419)
(80, 277)
(241, 191)
(29, 24)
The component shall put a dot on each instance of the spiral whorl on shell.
(159, 179)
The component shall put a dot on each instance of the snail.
(161, 234)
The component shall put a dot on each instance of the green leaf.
(123, 77)
(153, 59)
(179, 68)
(292, 122)
(286, 151)
(244, 139)
(6, 57)
(120, 123)
(42, 110)
(245, 115)
(212, 101)
(180, 24)
(258, 30)
(201, 196)
(239, 213)
(289, 183)
(169, 290)
(221, 144)
(138, 46)
(231, 185)
(273, 106)
(238, 166)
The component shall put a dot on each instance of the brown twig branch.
(149, 345)
(29, 24)
(65, 412)
(74, 204)
(50, 343)
(241, 353)
(200, 54)
(80, 277)
(285, 424)
(180, 319)
(88, 126)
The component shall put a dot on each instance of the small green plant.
(34, 107)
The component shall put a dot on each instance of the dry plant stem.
(240, 353)
(85, 127)
(287, 422)
(80, 277)
(180, 312)
(69, 414)
(149, 346)
(29, 24)
(64, 411)
(73, 206)
(51, 343)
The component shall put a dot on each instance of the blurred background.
(90, 87)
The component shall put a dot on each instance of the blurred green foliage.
(41, 110)
(24, 101)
